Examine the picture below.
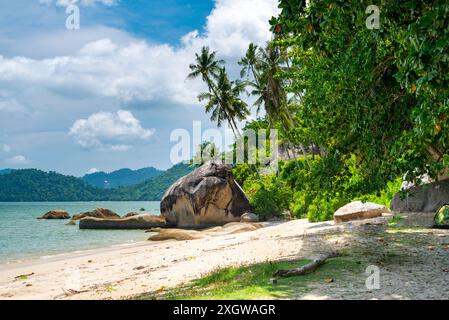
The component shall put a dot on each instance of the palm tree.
(207, 66)
(224, 103)
(264, 65)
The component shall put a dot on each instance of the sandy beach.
(127, 271)
(119, 272)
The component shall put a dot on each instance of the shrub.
(268, 196)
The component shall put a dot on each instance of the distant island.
(148, 184)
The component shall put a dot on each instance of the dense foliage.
(314, 192)
(369, 103)
(121, 178)
(380, 94)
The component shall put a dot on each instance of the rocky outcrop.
(176, 234)
(71, 223)
(358, 211)
(131, 214)
(143, 221)
(206, 196)
(182, 234)
(55, 215)
(97, 213)
(425, 198)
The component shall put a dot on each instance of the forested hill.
(121, 178)
(36, 185)
(154, 188)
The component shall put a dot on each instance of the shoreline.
(36, 259)
(129, 270)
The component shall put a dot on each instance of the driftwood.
(312, 266)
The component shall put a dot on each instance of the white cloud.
(17, 160)
(5, 148)
(141, 71)
(92, 171)
(110, 131)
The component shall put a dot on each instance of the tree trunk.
(315, 264)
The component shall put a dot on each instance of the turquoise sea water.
(22, 236)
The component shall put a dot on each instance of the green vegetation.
(36, 185)
(254, 282)
(304, 187)
(364, 107)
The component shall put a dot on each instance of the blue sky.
(108, 95)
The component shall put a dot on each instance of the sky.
(109, 94)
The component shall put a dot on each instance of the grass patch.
(254, 282)
(393, 223)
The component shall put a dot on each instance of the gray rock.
(97, 213)
(207, 196)
(425, 198)
(55, 215)
(142, 222)
(358, 211)
(249, 217)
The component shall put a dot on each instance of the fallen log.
(312, 266)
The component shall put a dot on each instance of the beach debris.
(71, 292)
(139, 268)
(24, 276)
(310, 267)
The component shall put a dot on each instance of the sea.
(23, 237)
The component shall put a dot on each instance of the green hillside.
(121, 178)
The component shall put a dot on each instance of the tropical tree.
(381, 94)
(224, 102)
(206, 66)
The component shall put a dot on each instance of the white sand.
(417, 270)
(118, 272)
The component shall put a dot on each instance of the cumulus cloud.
(5, 148)
(17, 160)
(142, 71)
(110, 131)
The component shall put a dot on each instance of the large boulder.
(207, 196)
(358, 211)
(100, 213)
(55, 215)
(142, 222)
(425, 198)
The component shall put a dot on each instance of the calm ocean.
(22, 236)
